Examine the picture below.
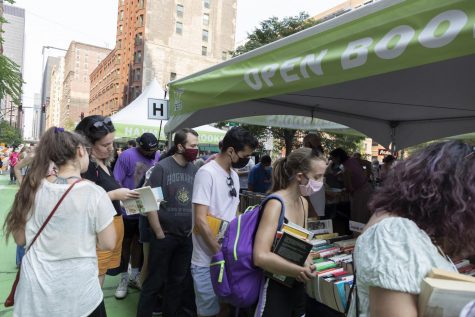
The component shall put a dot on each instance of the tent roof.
(357, 70)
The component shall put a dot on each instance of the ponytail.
(284, 169)
(57, 146)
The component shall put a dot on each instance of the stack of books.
(464, 266)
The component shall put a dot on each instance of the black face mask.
(242, 162)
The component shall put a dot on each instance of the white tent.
(132, 121)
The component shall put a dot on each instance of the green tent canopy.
(400, 71)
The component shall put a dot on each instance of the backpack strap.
(282, 210)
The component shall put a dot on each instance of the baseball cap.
(148, 142)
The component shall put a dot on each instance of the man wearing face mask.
(215, 193)
(170, 227)
(260, 176)
(130, 167)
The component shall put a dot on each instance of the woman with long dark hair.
(299, 174)
(423, 213)
(99, 131)
(59, 272)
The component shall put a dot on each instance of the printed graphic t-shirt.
(176, 182)
(211, 189)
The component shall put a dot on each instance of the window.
(224, 56)
(121, 16)
(120, 29)
(204, 35)
(140, 21)
(204, 50)
(206, 4)
(85, 78)
(172, 76)
(77, 64)
(141, 4)
(179, 28)
(179, 10)
(138, 57)
(121, 2)
(85, 65)
(77, 57)
(138, 39)
(137, 74)
(206, 19)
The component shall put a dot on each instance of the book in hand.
(297, 230)
(293, 249)
(149, 200)
(218, 227)
(445, 294)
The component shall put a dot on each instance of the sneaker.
(135, 282)
(121, 291)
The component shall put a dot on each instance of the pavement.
(115, 308)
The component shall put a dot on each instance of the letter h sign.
(157, 109)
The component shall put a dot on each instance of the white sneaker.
(121, 291)
(135, 282)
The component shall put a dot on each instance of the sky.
(56, 23)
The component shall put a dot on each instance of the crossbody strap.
(52, 212)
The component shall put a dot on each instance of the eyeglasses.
(106, 124)
(232, 190)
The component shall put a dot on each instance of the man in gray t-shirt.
(170, 242)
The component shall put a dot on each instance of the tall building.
(51, 62)
(79, 62)
(35, 132)
(13, 47)
(55, 94)
(341, 8)
(105, 97)
(167, 40)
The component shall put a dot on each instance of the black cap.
(148, 142)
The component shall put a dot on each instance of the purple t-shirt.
(130, 169)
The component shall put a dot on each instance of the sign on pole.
(157, 109)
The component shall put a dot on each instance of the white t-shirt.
(211, 189)
(394, 254)
(59, 274)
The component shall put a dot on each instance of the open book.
(150, 199)
(444, 294)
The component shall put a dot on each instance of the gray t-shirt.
(176, 182)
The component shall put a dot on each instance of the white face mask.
(311, 187)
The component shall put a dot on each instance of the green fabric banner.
(385, 37)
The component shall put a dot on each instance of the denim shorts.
(207, 303)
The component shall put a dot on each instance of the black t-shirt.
(97, 175)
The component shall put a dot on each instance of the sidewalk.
(115, 308)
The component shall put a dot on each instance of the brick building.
(165, 40)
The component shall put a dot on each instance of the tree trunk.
(289, 140)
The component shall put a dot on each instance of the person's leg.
(100, 311)
(144, 270)
(181, 261)
(277, 300)
(135, 256)
(144, 230)
(161, 251)
(207, 303)
(122, 287)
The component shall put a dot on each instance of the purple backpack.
(234, 276)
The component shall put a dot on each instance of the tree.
(10, 75)
(269, 31)
(9, 134)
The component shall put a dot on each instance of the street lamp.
(43, 92)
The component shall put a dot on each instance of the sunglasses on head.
(232, 190)
(106, 124)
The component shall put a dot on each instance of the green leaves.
(10, 80)
(9, 134)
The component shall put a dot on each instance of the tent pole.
(159, 131)
(393, 125)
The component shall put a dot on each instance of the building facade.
(166, 40)
(340, 9)
(55, 94)
(79, 62)
(105, 97)
(13, 47)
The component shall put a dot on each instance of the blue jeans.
(169, 263)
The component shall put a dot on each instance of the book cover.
(320, 226)
(297, 230)
(218, 227)
(444, 297)
(293, 249)
(149, 200)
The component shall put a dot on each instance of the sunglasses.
(106, 124)
(232, 190)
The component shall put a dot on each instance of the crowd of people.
(419, 217)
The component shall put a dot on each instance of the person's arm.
(155, 180)
(19, 236)
(123, 194)
(265, 258)
(106, 238)
(203, 229)
(387, 303)
(250, 180)
(121, 169)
